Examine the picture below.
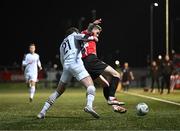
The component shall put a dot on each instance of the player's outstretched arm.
(90, 26)
(98, 21)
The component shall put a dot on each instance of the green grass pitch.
(16, 113)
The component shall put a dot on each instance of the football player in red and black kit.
(98, 69)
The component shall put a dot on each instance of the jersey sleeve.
(83, 37)
(24, 61)
(79, 36)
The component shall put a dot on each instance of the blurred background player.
(154, 74)
(97, 68)
(72, 63)
(127, 76)
(30, 65)
(167, 69)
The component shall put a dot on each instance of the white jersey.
(31, 63)
(70, 54)
(70, 49)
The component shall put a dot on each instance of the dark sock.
(113, 86)
(106, 92)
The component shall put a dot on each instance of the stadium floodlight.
(156, 4)
(159, 57)
(117, 62)
(55, 66)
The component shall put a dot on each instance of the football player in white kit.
(31, 62)
(70, 55)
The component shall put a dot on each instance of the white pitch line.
(153, 98)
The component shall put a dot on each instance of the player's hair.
(32, 44)
(71, 30)
(92, 26)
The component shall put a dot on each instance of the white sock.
(53, 97)
(90, 96)
(45, 108)
(50, 102)
(111, 98)
(90, 99)
(32, 91)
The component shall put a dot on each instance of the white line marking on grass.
(153, 98)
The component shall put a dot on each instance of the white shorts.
(74, 69)
(31, 77)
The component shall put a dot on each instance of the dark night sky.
(125, 36)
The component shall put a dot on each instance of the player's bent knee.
(112, 71)
(116, 74)
(91, 90)
(87, 81)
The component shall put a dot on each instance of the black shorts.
(94, 66)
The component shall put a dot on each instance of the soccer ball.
(142, 109)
